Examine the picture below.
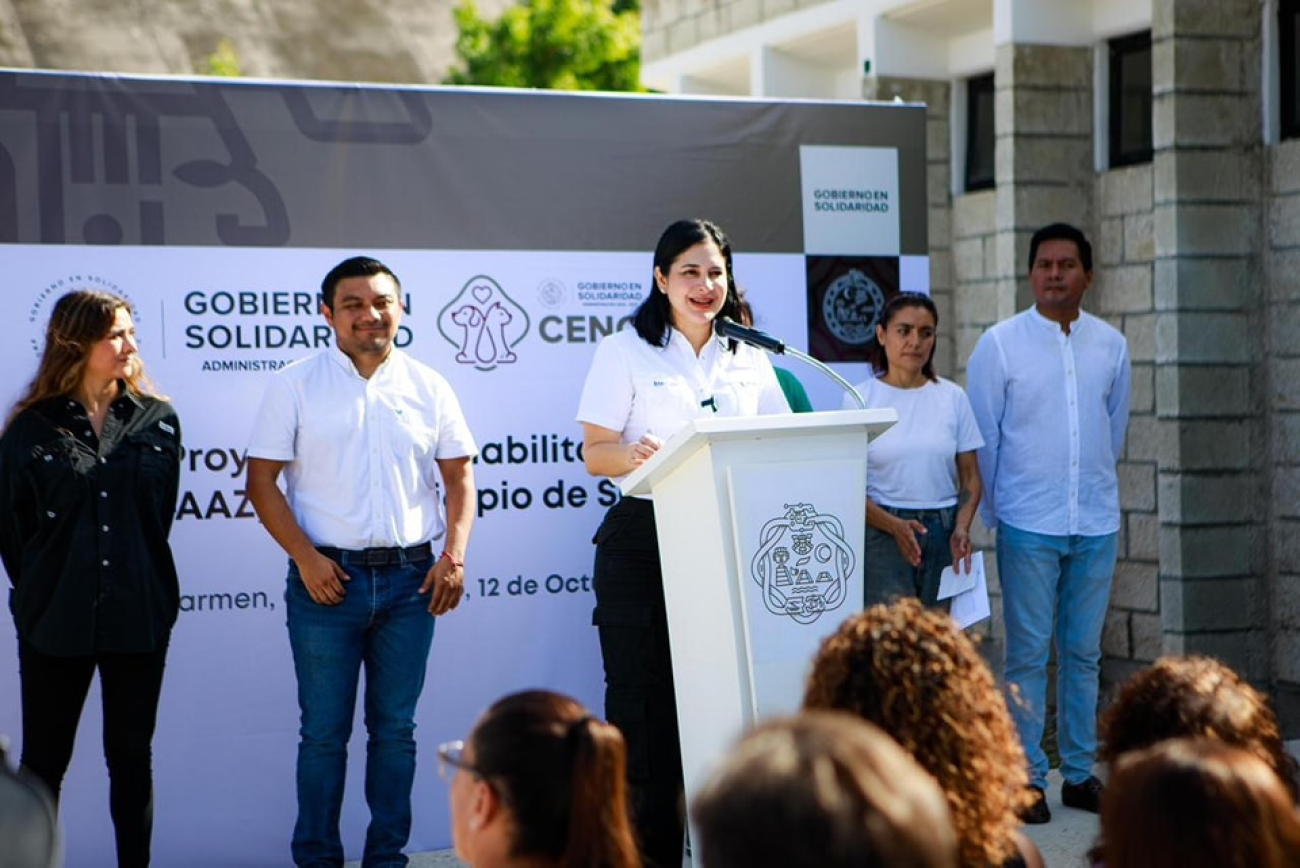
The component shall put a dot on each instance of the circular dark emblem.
(851, 307)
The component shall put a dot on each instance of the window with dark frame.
(980, 140)
(1130, 99)
(1288, 67)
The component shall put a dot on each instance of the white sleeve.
(275, 427)
(454, 437)
(968, 430)
(608, 392)
(986, 391)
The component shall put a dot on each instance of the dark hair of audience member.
(1197, 803)
(562, 775)
(912, 672)
(822, 790)
(1194, 697)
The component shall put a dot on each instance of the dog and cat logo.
(484, 324)
(803, 563)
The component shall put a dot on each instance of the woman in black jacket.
(89, 470)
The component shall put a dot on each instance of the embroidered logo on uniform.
(169, 429)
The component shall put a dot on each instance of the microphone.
(726, 327)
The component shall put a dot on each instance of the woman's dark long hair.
(876, 350)
(562, 775)
(653, 319)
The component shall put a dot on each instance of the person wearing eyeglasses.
(539, 782)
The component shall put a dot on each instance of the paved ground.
(1064, 841)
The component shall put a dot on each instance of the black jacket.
(84, 523)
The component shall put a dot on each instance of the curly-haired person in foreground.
(1194, 697)
(913, 673)
(825, 789)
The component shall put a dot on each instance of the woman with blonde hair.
(89, 472)
(913, 673)
(539, 783)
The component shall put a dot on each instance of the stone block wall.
(1281, 277)
(1123, 251)
(937, 97)
(1212, 373)
(672, 26)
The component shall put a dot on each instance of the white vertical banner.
(799, 555)
(850, 200)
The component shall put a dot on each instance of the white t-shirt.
(913, 465)
(635, 388)
(361, 453)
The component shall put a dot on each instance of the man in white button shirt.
(1050, 391)
(357, 431)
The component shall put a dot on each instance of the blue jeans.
(889, 576)
(385, 625)
(1063, 580)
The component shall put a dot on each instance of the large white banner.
(213, 324)
(521, 226)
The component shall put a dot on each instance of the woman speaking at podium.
(645, 384)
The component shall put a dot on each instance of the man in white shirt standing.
(356, 431)
(1050, 391)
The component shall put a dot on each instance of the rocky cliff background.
(391, 41)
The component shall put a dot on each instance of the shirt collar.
(714, 345)
(341, 359)
(1053, 324)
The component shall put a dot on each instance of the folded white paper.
(969, 592)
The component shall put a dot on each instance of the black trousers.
(639, 695)
(53, 693)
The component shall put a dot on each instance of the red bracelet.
(454, 561)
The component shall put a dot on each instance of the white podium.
(760, 523)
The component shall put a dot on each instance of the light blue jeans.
(1061, 580)
(384, 624)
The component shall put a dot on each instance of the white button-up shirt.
(1053, 408)
(637, 388)
(360, 453)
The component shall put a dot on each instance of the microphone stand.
(844, 384)
(731, 330)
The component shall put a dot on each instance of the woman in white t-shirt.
(645, 384)
(923, 482)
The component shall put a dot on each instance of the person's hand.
(904, 534)
(323, 579)
(959, 544)
(643, 449)
(447, 579)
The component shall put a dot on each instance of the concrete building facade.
(1197, 256)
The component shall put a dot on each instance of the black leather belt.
(377, 557)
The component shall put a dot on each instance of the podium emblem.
(803, 563)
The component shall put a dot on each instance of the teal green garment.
(795, 396)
